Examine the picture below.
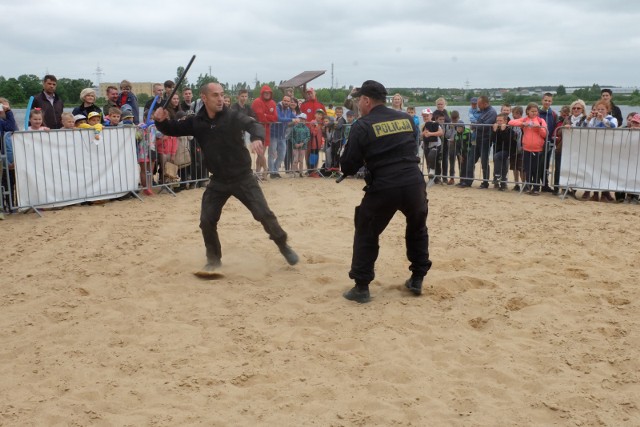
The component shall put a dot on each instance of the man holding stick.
(218, 131)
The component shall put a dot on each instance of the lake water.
(462, 109)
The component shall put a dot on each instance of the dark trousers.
(556, 170)
(534, 168)
(478, 152)
(373, 216)
(500, 166)
(250, 194)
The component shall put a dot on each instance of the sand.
(530, 315)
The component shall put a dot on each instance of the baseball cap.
(93, 114)
(426, 111)
(350, 113)
(372, 89)
(635, 118)
(302, 116)
(474, 100)
(126, 114)
(79, 117)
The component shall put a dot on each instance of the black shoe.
(463, 185)
(289, 254)
(360, 296)
(414, 284)
(547, 189)
(516, 187)
(503, 187)
(485, 184)
(275, 175)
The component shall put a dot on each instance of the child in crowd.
(93, 122)
(68, 122)
(601, 118)
(463, 147)
(127, 117)
(114, 116)
(506, 109)
(505, 145)
(515, 161)
(36, 120)
(534, 133)
(328, 130)
(412, 112)
(315, 144)
(449, 136)
(431, 133)
(338, 137)
(79, 119)
(300, 136)
(146, 151)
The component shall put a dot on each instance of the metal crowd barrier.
(62, 167)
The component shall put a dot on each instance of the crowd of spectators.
(304, 138)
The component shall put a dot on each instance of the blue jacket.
(551, 118)
(486, 117)
(285, 116)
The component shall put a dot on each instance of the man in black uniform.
(383, 140)
(218, 131)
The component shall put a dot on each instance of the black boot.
(414, 284)
(358, 295)
(288, 253)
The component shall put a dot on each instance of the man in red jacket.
(265, 110)
(311, 105)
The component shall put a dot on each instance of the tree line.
(18, 90)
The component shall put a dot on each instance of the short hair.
(110, 88)
(580, 103)
(87, 91)
(505, 116)
(169, 83)
(517, 109)
(49, 77)
(35, 112)
(565, 109)
(609, 91)
(549, 94)
(437, 114)
(339, 108)
(241, 91)
(125, 83)
(66, 115)
(455, 114)
(115, 110)
(483, 98)
(186, 88)
(506, 104)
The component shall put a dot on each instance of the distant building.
(137, 88)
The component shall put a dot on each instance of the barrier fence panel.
(63, 167)
(601, 159)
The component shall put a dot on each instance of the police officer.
(383, 140)
(219, 132)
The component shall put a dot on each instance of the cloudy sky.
(401, 43)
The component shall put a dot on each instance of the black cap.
(372, 89)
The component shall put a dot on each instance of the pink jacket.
(533, 138)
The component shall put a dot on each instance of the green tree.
(561, 91)
(185, 81)
(204, 79)
(69, 89)
(12, 90)
(30, 83)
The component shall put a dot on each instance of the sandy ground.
(531, 315)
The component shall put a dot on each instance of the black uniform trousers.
(373, 216)
(250, 194)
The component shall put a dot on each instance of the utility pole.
(332, 76)
(99, 73)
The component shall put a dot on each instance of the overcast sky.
(401, 43)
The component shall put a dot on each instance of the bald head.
(210, 87)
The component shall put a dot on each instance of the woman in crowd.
(577, 118)
(397, 102)
(88, 98)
